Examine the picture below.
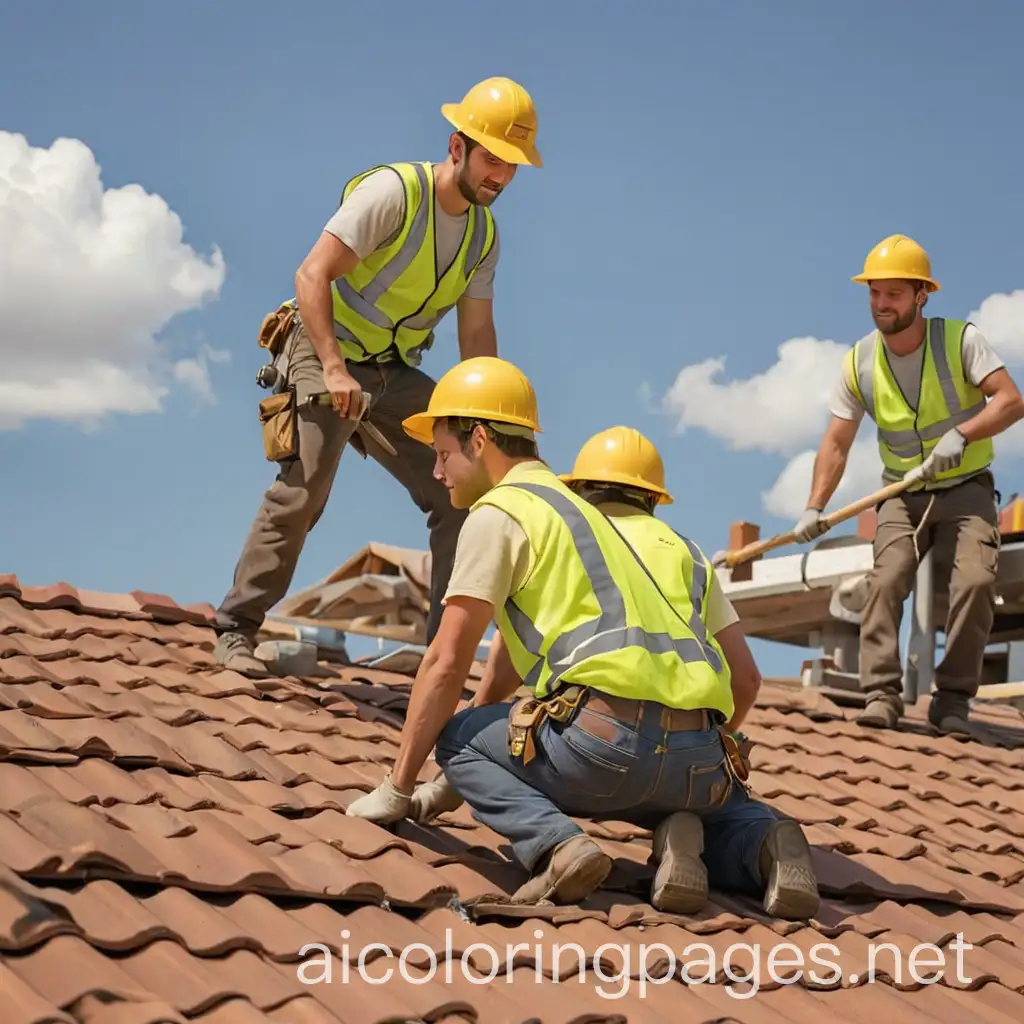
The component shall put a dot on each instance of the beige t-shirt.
(371, 218)
(493, 555)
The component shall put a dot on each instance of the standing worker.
(925, 382)
(629, 697)
(409, 242)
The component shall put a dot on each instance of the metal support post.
(919, 667)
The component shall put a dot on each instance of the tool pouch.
(528, 713)
(279, 419)
(737, 749)
(275, 328)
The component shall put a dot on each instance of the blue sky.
(714, 174)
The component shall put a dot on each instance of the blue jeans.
(638, 774)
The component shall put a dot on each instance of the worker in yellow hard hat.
(621, 473)
(938, 394)
(346, 349)
(627, 698)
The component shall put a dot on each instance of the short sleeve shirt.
(371, 216)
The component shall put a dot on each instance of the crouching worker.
(740, 844)
(629, 698)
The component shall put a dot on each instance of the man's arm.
(475, 310)
(328, 260)
(477, 336)
(370, 214)
(439, 682)
(830, 462)
(746, 678)
(500, 679)
(1004, 408)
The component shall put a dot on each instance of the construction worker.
(629, 693)
(938, 394)
(409, 242)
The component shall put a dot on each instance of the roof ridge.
(138, 604)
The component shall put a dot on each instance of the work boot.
(785, 861)
(949, 720)
(681, 882)
(235, 651)
(576, 868)
(880, 713)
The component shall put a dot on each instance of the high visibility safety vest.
(905, 437)
(397, 295)
(587, 612)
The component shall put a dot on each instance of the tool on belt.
(363, 426)
(528, 713)
(737, 748)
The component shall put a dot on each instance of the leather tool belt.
(275, 328)
(528, 713)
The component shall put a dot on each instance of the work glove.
(810, 525)
(383, 805)
(946, 455)
(432, 799)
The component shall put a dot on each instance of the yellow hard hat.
(621, 455)
(483, 388)
(499, 114)
(898, 257)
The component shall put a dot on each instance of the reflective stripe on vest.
(609, 632)
(901, 449)
(366, 325)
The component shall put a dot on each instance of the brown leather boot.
(575, 869)
(681, 882)
(792, 889)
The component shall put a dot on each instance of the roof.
(173, 835)
(382, 591)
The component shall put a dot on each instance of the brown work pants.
(962, 525)
(296, 499)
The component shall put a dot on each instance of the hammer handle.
(744, 554)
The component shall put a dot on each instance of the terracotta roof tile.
(173, 838)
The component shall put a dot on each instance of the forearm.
(1001, 412)
(481, 341)
(500, 679)
(435, 696)
(316, 307)
(746, 677)
(829, 466)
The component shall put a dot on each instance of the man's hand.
(810, 525)
(382, 806)
(346, 392)
(946, 455)
(434, 798)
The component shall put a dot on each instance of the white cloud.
(88, 278)
(783, 409)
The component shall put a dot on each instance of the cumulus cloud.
(783, 409)
(89, 277)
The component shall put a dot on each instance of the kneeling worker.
(628, 697)
(620, 472)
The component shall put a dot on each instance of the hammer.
(734, 558)
(363, 426)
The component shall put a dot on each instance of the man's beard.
(894, 326)
(478, 197)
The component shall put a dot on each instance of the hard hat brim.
(933, 286)
(420, 426)
(510, 152)
(664, 498)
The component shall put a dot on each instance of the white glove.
(810, 525)
(946, 455)
(383, 805)
(434, 798)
